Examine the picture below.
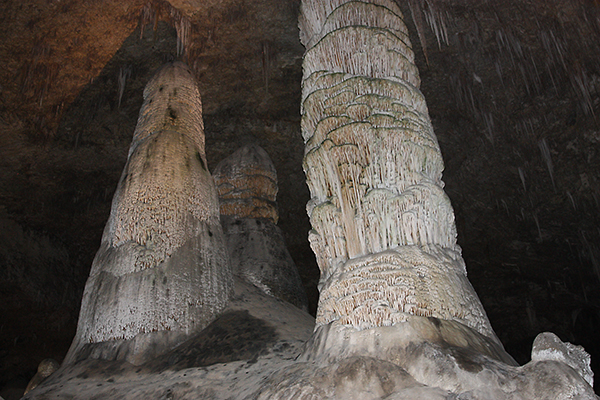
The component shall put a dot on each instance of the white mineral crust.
(383, 228)
(162, 264)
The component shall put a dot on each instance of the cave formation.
(512, 90)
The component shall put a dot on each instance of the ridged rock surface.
(397, 316)
(383, 228)
(398, 319)
(247, 185)
(162, 270)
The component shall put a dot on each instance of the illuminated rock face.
(383, 228)
(247, 186)
(162, 270)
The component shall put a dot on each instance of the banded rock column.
(247, 186)
(383, 228)
(162, 271)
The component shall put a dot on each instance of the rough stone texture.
(384, 235)
(231, 358)
(247, 185)
(162, 271)
(548, 347)
(46, 368)
(422, 358)
(254, 351)
(387, 287)
(415, 357)
(374, 168)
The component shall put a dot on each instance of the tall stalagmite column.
(383, 228)
(162, 271)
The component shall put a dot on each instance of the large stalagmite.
(397, 316)
(162, 271)
(383, 228)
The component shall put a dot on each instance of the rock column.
(383, 228)
(162, 271)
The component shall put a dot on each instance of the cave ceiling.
(513, 90)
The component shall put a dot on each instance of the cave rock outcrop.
(397, 317)
(383, 228)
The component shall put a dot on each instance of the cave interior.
(513, 91)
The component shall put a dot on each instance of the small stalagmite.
(162, 271)
(247, 186)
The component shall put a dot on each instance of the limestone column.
(383, 228)
(162, 271)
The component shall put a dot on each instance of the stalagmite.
(374, 167)
(162, 271)
(247, 186)
(397, 317)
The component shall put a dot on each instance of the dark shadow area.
(233, 336)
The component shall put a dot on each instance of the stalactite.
(182, 26)
(437, 20)
(124, 74)
(155, 10)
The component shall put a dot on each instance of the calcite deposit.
(397, 317)
(247, 185)
(162, 270)
(383, 228)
